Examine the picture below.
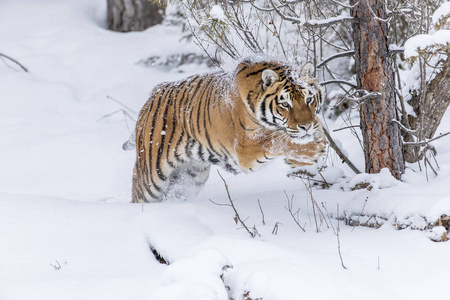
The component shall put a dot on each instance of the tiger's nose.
(305, 127)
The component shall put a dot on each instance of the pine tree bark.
(381, 137)
(133, 15)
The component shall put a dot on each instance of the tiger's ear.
(307, 70)
(268, 78)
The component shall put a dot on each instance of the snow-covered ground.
(68, 231)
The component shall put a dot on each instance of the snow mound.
(195, 278)
(382, 180)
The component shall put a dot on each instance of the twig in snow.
(294, 216)
(126, 111)
(338, 240)
(275, 228)
(323, 178)
(336, 232)
(302, 177)
(262, 213)
(237, 217)
(57, 266)
(362, 212)
(315, 205)
(14, 61)
(121, 104)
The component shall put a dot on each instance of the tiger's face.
(290, 105)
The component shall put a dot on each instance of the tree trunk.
(381, 136)
(428, 114)
(133, 15)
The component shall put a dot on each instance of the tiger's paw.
(319, 137)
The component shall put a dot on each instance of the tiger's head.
(281, 98)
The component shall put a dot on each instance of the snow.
(217, 13)
(422, 41)
(68, 231)
(441, 13)
(433, 43)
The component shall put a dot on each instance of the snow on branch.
(312, 23)
(329, 21)
(345, 5)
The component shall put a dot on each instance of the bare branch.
(314, 202)
(340, 153)
(426, 141)
(237, 217)
(14, 61)
(275, 228)
(289, 208)
(339, 82)
(305, 178)
(347, 127)
(404, 128)
(336, 232)
(262, 213)
(121, 104)
(337, 55)
(338, 240)
(345, 5)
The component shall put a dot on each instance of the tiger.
(237, 120)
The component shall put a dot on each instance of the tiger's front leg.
(305, 158)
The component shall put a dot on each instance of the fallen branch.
(14, 61)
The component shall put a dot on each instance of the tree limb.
(14, 61)
(337, 55)
(339, 82)
(340, 153)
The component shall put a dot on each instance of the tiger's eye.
(285, 105)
